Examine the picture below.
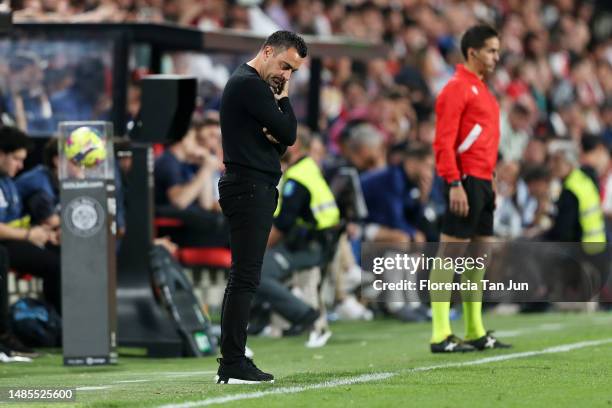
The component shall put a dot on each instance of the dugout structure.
(113, 48)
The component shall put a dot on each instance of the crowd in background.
(553, 84)
(554, 80)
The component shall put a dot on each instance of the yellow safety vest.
(590, 214)
(322, 201)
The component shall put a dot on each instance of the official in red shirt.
(466, 143)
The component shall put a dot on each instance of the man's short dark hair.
(520, 109)
(418, 151)
(13, 139)
(283, 40)
(590, 142)
(50, 152)
(353, 80)
(198, 122)
(210, 122)
(475, 37)
(536, 173)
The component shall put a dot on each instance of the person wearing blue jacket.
(31, 249)
(404, 203)
(406, 197)
(39, 190)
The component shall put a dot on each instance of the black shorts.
(479, 221)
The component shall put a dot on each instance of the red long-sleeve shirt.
(467, 128)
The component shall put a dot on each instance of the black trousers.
(249, 206)
(4, 300)
(26, 257)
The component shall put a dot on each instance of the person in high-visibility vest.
(579, 217)
(305, 219)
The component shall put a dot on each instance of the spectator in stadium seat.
(39, 190)
(397, 196)
(364, 148)
(535, 153)
(28, 101)
(31, 249)
(522, 210)
(537, 208)
(184, 189)
(507, 221)
(404, 203)
(514, 134)
(208, 136)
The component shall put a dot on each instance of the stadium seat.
(197, 257)
(193, 257)
(158, 149)
(209, 266)
(23, 285)
(220, 258)
(165, 222)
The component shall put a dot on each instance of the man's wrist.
(455, 183)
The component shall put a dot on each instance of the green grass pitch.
(380, 364)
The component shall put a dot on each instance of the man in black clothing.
(569, 221)
(579, 219)
(594, 158)
(257, 125)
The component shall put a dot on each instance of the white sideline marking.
(188, 374)
(284, 390)
(493, 359)
(528, 330)
(383, 376)
(168, 374)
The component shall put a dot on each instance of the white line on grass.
(528, 330)
(503, 357)
(382, 376)
(168, 374)
(284, 390)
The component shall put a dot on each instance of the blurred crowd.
(554, 80)
(553, 84)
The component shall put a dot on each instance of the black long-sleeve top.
(566, 226)
(247, 106)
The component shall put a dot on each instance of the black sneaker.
(452, 344)
(488, 341)
(242, 372)
(17, 348)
